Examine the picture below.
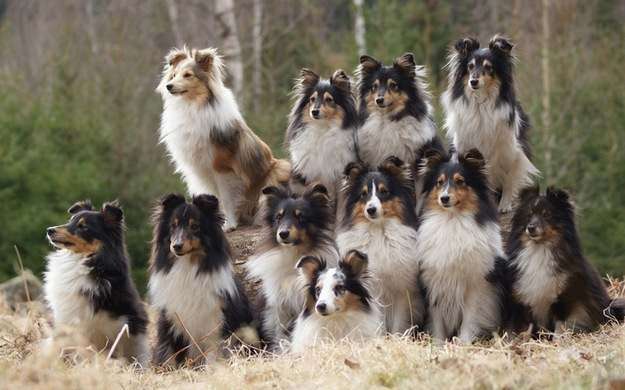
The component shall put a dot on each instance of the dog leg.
(519, 176)
(230, 189)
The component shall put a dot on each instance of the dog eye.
(187, 75)
(312, 99)
(459, 182)
(194, 227)
(317, 291)
(329, 99)
(440, 182)
(488, 67)
(374, 87)
(363, 194)
(383, 191)
(471, 66)
(393, 86)
(338, 290)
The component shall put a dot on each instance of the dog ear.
(528, 193)
(352, 171)
(405, 63)
(318, 193)
(80, 206)
(396, 167)
(466, 46)
(369, 64)
(340, 80)
(205, 58)
(208, 204)
(308, 78)
(273, 195)
(559, 196)
(430, 159)
(474, 159)
(171, 201)
(309, 266)
(501, 45)
(175, 56)
(112, 213)
(354, 263)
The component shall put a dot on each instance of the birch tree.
(230, 44)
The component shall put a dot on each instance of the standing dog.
(320, 136)
(295, 226)
(338, 303)
(88, 283)
(459, 245)
(551, 278)
(192, 285)
(380, 220)
(481, 111)
(208, 139)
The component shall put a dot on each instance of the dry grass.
(586, 361)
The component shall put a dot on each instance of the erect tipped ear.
(175, 56)
(558, 195)
(466, 46)
(208, 204)
(205, 58)
(353, 170)
(272, 191)
(318, 193)
(308, 78)
(474, 158)
(405, 63)
(369, 64)
(501, 45)
(340, 80)
(354, 262)
(170, 201)
(528, 193)
(112, 213)
(80, 206)
(430, 159)
(309, 266)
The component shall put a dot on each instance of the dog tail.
(616, 309)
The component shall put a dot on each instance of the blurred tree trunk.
(93, 37)
(224, 13)
(546, 100)
(172, 12)
(257, 37)
(359, 28)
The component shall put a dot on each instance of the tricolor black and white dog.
(88, 284)
(295, 226)
(338, 303)
(482, 111)
(380, 220)
(192, 285)
(551, 278)
(320, 136)
(460, 248)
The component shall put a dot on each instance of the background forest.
(79, 115)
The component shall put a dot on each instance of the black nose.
(50, 231)
(474, 82)
(379, 101)
(371, 210)
(315, 113)
(531, 228)
(177, 247)
(444, 199)
(321, 308)
(283, 234)
(170, 87)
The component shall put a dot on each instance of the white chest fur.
(194, 298)
(379, 137)
(538, 284)
(321, 152)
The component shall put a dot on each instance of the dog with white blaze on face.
(380, 220)
(460, 248)
(207, 138)
(338, 303)
(482, 111)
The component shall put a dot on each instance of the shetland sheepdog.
(551, 278)
(380, 220)
(338, 303)
(395, 110)
(460, 248)
(207, 138)
(295, 226)
(481, 111)
(320, 136)
(88, 284)
(201, 306)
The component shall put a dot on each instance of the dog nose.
(444, 199)
(379, 100)
(371, 210)
(50, 231)
(177, 247)
(284, 234)
(474, 82)
(315, 113)
(322, 308)
(170, 87)
(531, 228)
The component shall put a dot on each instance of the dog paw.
(230, 226)
(505, 208)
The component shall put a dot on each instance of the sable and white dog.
(338, 304)
(380, 220)
(88, 284)
(460, 248)
(481, 111)
(320, 136)
(207, 138)
(295, 226)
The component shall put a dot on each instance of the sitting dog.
(88, 284)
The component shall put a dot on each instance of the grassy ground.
(594, 360)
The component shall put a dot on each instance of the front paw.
(505, 207)
(230, 226)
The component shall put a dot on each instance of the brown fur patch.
(75, 243)
(393, 209)
(358, 214)
(223, 159)
(349, 302)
